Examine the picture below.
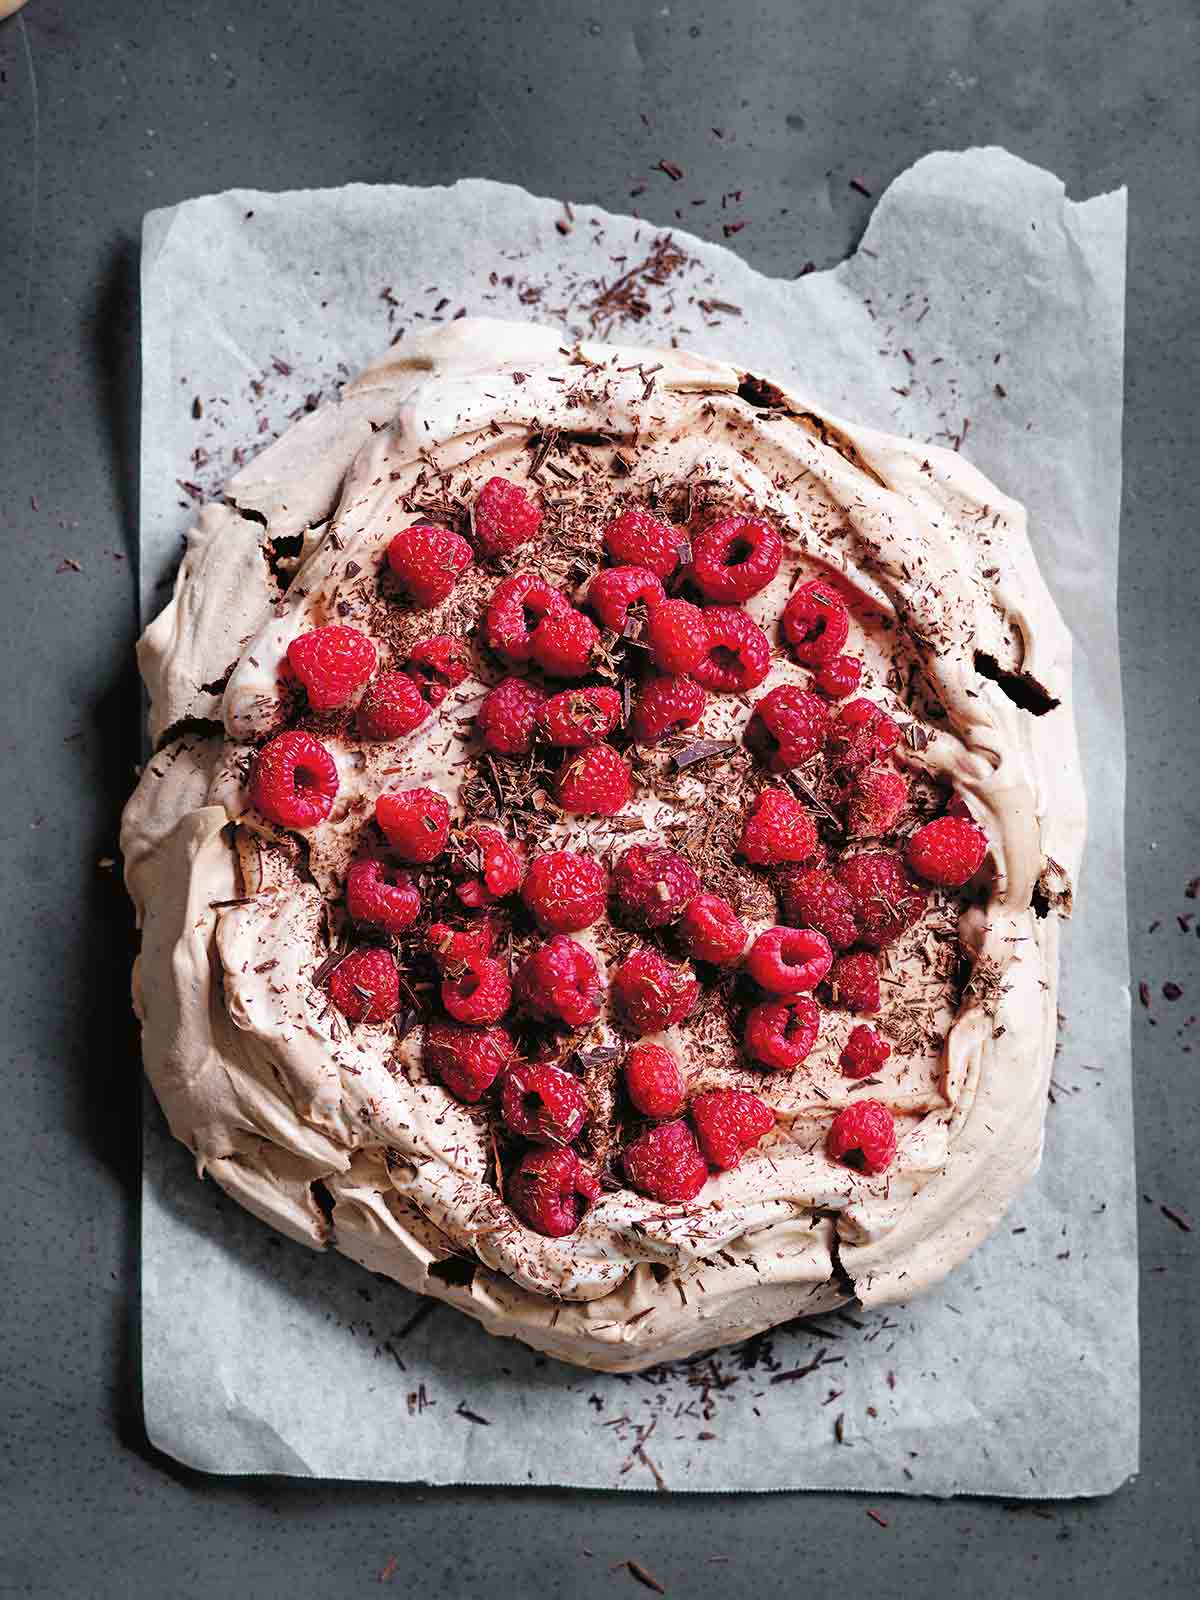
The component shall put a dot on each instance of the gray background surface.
(137, 106)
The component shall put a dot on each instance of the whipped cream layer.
(334, 1134)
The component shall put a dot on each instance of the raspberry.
(437, 665)
(861, 733)
(565, 891)
(677, 635)
(667, 705)
(622, 597)
(467, 1060)
(729, 1122)
(788, 726)
(454, 947)
(637, 538)
(392, 706)
(486, 865)
(365, 987)
(777, 829)
(294, 781)
(735, 558)
(415, 822)
(379, 896)
(562, 644)
(543, 1104)
(874, 800)
(650, 994)
(560, 980)
(854, 981)
(477, 991)
(886, 900)
(506, 717)
(863, 1136)
(551, 1191)
(651, 886)
(427, 562)
(838, 677)
(653, 1081)
(780, 1033)
(504, 517)
(814, 898)
(514, 611)
(331, 663)
(595, 783)
(815, 623)
(948, 851)
(956, 806)
(711, 930)
(738, 654)
(864, 1053)
(788, 960)
(578, 717)
(664, 1163)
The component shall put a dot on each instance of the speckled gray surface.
(139, 106)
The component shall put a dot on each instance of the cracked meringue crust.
(334, 1134)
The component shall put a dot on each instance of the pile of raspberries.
(837, 914)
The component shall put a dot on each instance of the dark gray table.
(107, 110)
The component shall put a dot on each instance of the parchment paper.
(981, 306)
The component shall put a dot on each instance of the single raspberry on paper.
(415, 822)
(729, 1122)
(294, 781)
(332, 663)
(664, 1163)
(427, 561)
(365, 987)
(551, 1191)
